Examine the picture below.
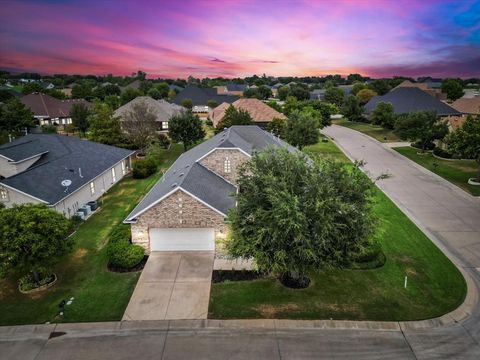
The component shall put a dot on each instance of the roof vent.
(181, 174)
(174, 184)
(187, 166)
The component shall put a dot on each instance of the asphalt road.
(449, 216)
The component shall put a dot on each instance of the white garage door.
(182, 239)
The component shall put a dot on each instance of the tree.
(293, 215)
(186, 128)
(163, 89)
(300, 91)
(383, 115)
(104, 127)
(365, 95)
(32, 238)
(301, 130)
(234, 117)
(334, 95)
(357, 87)
(212, 104)
(139, 124)
(15, 116)
(464, 142)
(422, 127)
(82, 91)
(145, 86)
(283, 92)
(128, 95)
(264, 92)
(277, 127)
(31, 87)
(80, 114)
(187, 103)
(113, 101)
(380, 86)
(154, 93)
(453, 88)
(352, 110)
(112, 89)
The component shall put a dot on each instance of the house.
(232, 89)
(431, 88)
(49, 110)
(63, 172)
(186, 209)
(135, 84)
(467, 106)
(317, 94)
(175, 88)
(200, 98)
(410, 99)
(163, 110)
(47, 85)
(260, 112)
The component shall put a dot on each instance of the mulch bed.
(219, 276)
(137, 267)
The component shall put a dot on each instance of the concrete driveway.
(173, 285)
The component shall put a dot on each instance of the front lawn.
(457, 172)
(377, 132)
(99, 295)
(435, 286)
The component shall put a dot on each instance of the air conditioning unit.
(80, 214)
(93, 205)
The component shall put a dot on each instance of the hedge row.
(120, 251)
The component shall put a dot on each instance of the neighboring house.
(63, 172)
(49, 110)
(135, 84)
(200, 98)
(261, 113)
(467, 105)
(175, 88)
(317, 94)
(162, 109)
(232, 89)
(47, 85)
(430, 87)
(410, 99)
(186, 209)
(470, 93)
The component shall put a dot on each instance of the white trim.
(223, 148)
(21, 192)
(8, 159)
(130, 220)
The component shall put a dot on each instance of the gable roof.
(43, 105)
(201, 96)
(188, 174)
(236, 87)
(62, 158)
(410, 99)
(258, 110)
(467, 105)
(163, 109)
(135, 84)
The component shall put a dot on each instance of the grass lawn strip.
(435, 286)
(457, 172)
(377, 132)
(99, 295)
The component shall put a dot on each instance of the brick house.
(186, 209)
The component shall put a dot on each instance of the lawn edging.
(470, 302)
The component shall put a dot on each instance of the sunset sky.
(238, 38)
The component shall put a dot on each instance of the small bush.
(27, 282)
(442, 153)
(429, 146)
(144, 168)
(209, 122)
(49, 129)
(120, 252)
(163, 141)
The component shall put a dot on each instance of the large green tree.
(352, 110)
(334, 95)
(234, 116)
(422, 127)
(453, 88)
(80, 115)
(129, 94)
(294, 215)
(383, 115)
(465, 141)
(32, 238)
(186, 128)
(365, 95)
(140, 124)
(104, 126)
(302, 129)
(15, 116)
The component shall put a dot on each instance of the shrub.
(442, 153)
(49, 129)
(144, 168)
(163, 141)
(209, 122)
(429, 146)
(120, 252)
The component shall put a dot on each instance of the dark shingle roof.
(65, 156)
(188, 174)
(410, 99)
(236, 87)
(201, 96)
(47, 106)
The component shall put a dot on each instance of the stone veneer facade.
(178, 210)
(215, 161)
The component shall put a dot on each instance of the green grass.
(327, 150)
(457, 172)
(99, 295)
(435, 286)
(377, 132)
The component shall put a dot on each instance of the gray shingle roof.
(410, 99)
(16, 152)
(162, 109)
(190, 175)
(236, 87)
(201, 96)
(65, 156)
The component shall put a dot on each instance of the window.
(227, 166)
(114, 177)
(164, 125)
(123, 167)
(3, 194)
(92, 188)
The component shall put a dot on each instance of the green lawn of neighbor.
(457, 172)
(435, 286)
(99, 295)
(377, 132)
